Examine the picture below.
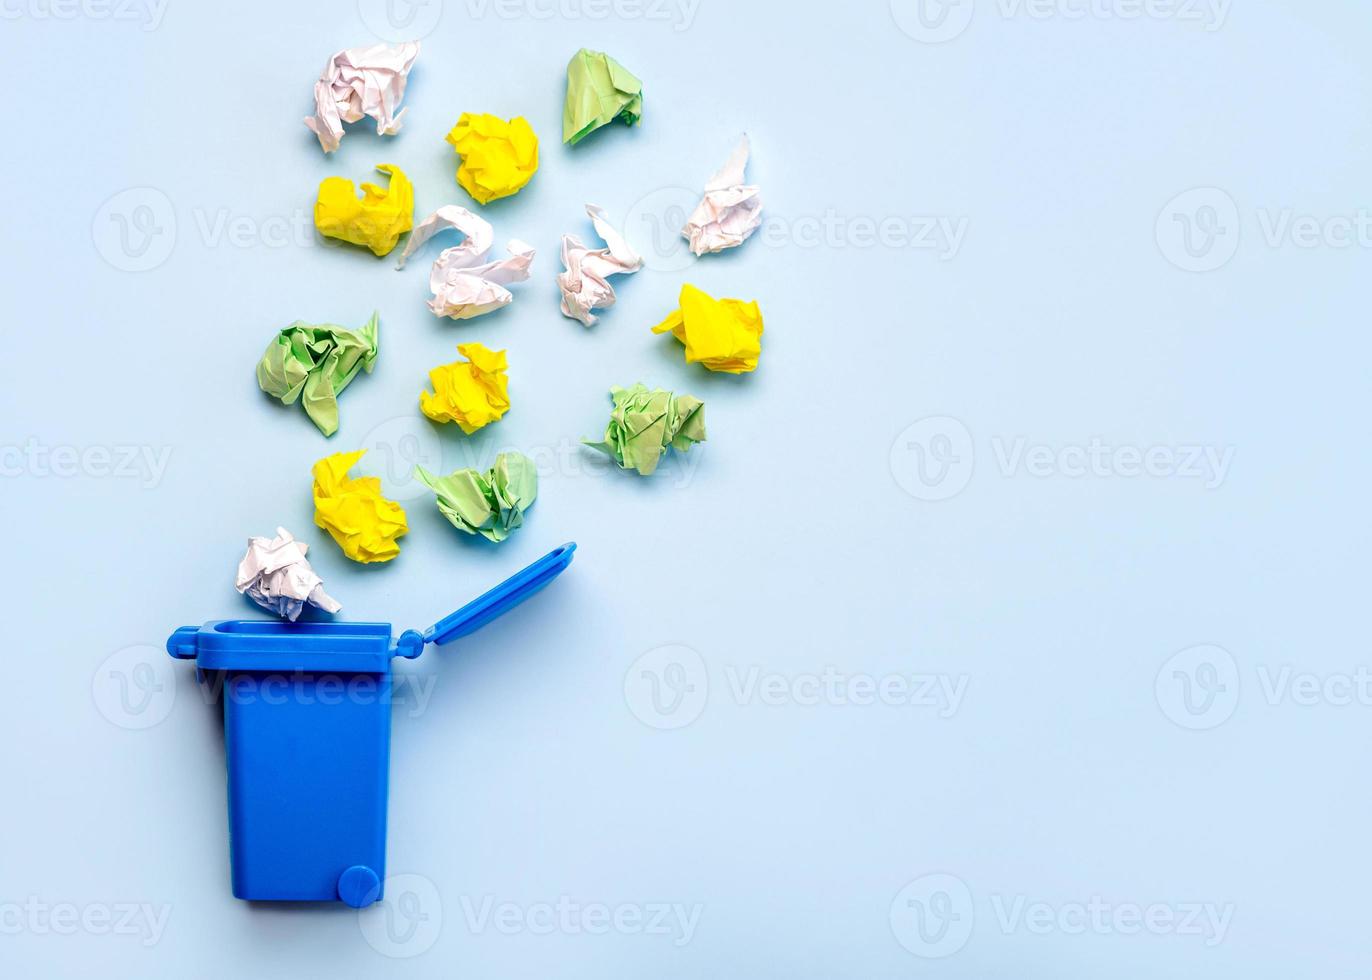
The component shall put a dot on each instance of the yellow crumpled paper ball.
(498, 157)
(364, 523)
(722, 334)
(376, 220)
(472, 393)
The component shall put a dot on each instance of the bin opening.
(276, 627)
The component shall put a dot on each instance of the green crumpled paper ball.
(315, 362)
(599, 91)
(644, 424)
(491, 504)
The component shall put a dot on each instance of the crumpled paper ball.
(498, 157)
(730, 211)
(363, 523)
(275, 574)
(368, 81)
(644, 424)
(472, 393)
(585, 285)
(317, 361)
(491, 504)
(465, 283)
(720, 334)
(599, 91)
(376, 220)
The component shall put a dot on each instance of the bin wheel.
(358, 886)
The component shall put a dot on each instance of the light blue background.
(790, 543)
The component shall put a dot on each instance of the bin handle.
(490, 605)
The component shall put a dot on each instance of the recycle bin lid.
(502, 598)
(273, 645)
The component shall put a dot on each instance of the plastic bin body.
(294, 830)
(307, 731)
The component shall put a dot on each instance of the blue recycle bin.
(307, 732)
